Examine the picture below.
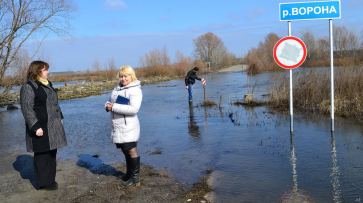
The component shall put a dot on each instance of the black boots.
(53, 186)
(127, 176)
(134, 168)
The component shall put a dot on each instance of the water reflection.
(205, 116)
(335, 171)
(193, 128)
(295, 195)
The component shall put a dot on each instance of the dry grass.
(208, 103)
(12, 81)
(251, 103)
(311, 91)
(85, 75)
(176, 69)
(165, 71)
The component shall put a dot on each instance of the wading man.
(189, 82)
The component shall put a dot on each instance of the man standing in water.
(189, 82)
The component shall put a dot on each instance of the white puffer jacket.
(125, 124)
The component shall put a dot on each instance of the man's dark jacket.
(190, 78)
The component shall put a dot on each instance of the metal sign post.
(289, 53)
(291, 105)
(315, 10)
(331, 73)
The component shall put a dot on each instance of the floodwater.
(250, 150)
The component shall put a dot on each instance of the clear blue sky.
(127, 29)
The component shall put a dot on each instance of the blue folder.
(122, 100)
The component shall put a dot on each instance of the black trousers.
(45, 167)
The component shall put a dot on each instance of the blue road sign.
(314, 10)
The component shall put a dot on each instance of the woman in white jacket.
(125, 130)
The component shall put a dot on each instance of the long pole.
(331, 73)
(204, 93)
(291, 104)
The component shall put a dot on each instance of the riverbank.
(240, 67)
(82, 89)
(85, 89)
(85, 181)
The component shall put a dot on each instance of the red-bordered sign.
(203, 81)
(290, 52)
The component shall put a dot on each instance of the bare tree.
(255, 64)
(266, 49)
(111, 72)
(309, 41)
(217, 58)
(111, 64)
(164, 56)
(340, 40)
(22, 19)
(209, 48)
(230, 59)
(96, 66)
(155, 58)
(17, 69)
(181, 63)
(179, 57)
(261, 58)
(353, 43)
(322, 48)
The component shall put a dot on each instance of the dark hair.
(35, 68)
(196, 69)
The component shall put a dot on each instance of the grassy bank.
(66, 92)
(94, 82)
(83, 89)
(311, 91)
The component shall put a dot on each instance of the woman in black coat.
(43, 121)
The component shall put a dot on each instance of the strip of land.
(80, 181)
(86, 89)
(240, 67)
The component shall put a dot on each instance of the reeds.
(171, 71)
(176, 69)
(207, 103)
(311, 91)
(101, 75)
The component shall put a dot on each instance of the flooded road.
(250, 150)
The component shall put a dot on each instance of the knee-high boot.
(127, 176)
(135, 170)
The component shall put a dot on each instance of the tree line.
(157, 62)
(347, 49)
(207, 48)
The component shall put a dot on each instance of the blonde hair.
(127, 70)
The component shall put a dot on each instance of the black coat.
(40, 108)
(191, 77)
